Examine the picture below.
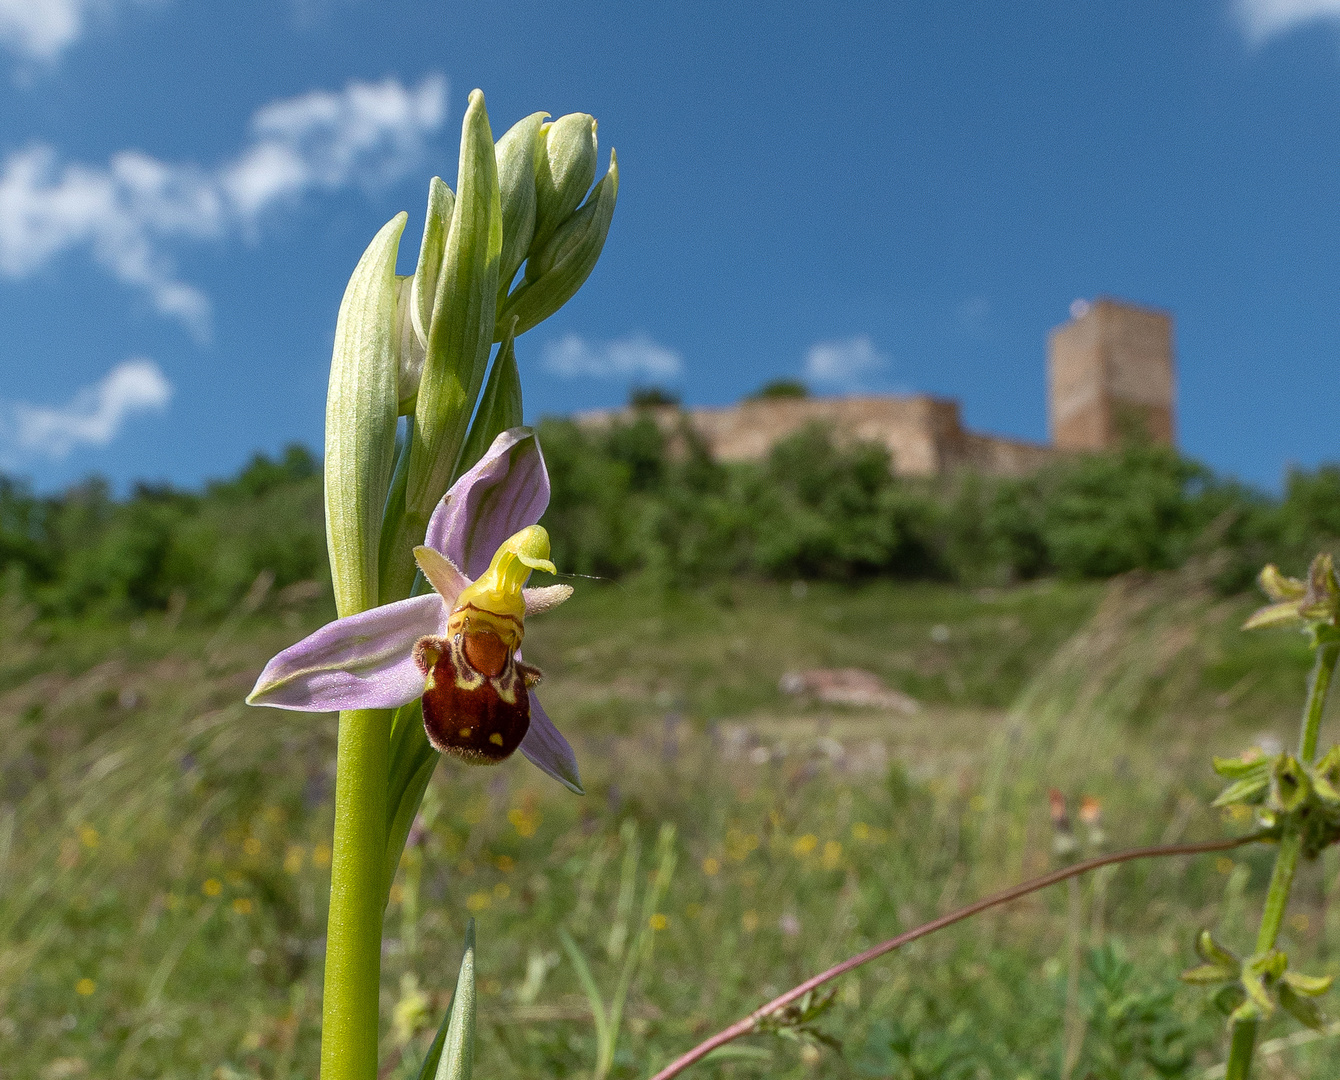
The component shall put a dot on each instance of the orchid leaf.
(458, 1048)
(412, 762)
(499, 407)
(1236, 768)
(454, 1032)
(361, 410)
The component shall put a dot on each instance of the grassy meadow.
(164, 850)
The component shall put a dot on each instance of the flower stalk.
(1243, 1031)
(354, 931)
(445, 502)
(756, 1020)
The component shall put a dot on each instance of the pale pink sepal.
(546, 749)
(507, 490)
(364, 661)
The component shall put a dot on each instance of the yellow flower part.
(212, 887)
(85, 986)
(494, 601)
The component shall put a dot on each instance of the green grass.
(164, 850)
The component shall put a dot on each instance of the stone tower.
(1110, 376)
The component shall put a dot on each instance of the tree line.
(634, 500)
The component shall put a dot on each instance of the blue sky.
(899, 196)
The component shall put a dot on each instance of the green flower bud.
(1289, 784)
(555, 274)
(460, 334)
(409, 349)
(1326, 777)
(518, 153)
(565, 167)
(432, 250)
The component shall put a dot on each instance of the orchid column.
(419, 346)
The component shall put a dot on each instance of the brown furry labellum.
(475, 699)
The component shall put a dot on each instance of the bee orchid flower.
(458, 647)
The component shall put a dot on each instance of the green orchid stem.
(1240, 1053)
(1318, 685)
(350, 1010)
(1242, 1046)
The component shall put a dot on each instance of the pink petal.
(446, 580)
(506, 491)
(360, 662)
(546, 749)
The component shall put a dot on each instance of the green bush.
(640, 498)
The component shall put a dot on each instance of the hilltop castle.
(1109, 375)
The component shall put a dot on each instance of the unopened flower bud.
(518, 154)
(432, 250)
(565, 168)
(555, 274)
(408, 346)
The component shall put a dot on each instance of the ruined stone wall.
(1109, 375)
(924, 435)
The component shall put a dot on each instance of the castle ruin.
(1109, 377)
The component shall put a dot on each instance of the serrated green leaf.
(361, 421)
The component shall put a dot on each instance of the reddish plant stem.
(748, 1024)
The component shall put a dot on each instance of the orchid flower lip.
(372, 660)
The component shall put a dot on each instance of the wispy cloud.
(127, 213)
(632, 357)
(844, 363)
(96, 415)
(1265, 19)
(41, 30)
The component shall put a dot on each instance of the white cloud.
(126, 213)
(844, 363)
(95, 416)
(631, 357)
(43, 29)
(1264, 19)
